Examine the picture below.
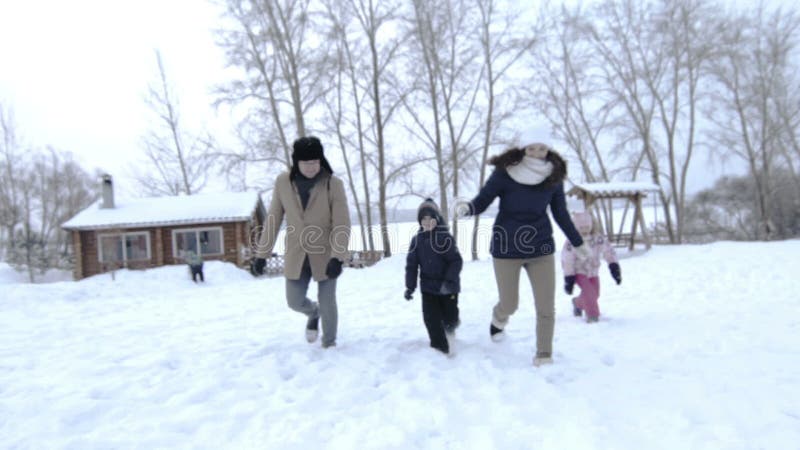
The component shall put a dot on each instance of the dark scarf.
(304, 186)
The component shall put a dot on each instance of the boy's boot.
(450, 328)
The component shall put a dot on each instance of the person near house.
(433, 255)
(314, 204)
(527, 180)
(195, 263)
(584, 271)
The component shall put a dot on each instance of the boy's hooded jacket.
(434, 255)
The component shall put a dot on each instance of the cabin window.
(202, 241)
(123, 247)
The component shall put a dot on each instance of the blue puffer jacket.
(522, 228)
(435, 255)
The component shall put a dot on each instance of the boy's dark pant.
(197, 270)
(439, 312)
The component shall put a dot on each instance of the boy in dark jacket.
(433, 252)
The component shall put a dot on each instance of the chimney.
(108, 192)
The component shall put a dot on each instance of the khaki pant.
(542, 275)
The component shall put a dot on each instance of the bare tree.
(502, 46)
(569, 84)
(631, 62)
(450, 80)
(26, 247)
(373, 17)
(756, 65)
(284, 66)
(569, 87)
(787, 106)
(680, 29)
(348, 132)
(51, 189)
(727, 211)
(73, 188)
(11, 153)
(423, 23)
(173, 166)
(39, 190)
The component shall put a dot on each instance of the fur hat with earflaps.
(307, 149)
(429, 208)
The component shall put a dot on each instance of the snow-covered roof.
(163, 211)
(614, 188)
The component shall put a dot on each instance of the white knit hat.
(531, 135)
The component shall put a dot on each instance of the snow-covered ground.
(698, 348)
(9, 275)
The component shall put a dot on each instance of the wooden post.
(640, 216)
(239, 244)
(597, 218)
(588, 201)
(77, 250)
(159, 247)
(635, 220)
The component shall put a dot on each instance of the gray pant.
(325, 308)
(542, 276)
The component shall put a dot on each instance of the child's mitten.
(569, 283)
(409, 294)
(616, 274)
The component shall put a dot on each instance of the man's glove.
(616, 273)
(569, 283)
(258, 266)
(409, 294)
(334, 268)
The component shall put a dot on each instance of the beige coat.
(321, 231)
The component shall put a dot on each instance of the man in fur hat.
(314, 203)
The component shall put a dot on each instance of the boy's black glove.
(569, 283)
(409, 294)
(334, 268)
(258, 266)
(616, 274)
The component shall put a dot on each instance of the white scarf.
(530, 170)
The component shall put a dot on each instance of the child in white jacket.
(584, 271)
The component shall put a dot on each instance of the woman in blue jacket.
(527, 180)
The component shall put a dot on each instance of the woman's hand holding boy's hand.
(463, 209)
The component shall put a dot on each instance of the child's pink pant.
(590, 292)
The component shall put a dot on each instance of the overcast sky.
(75, 72)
